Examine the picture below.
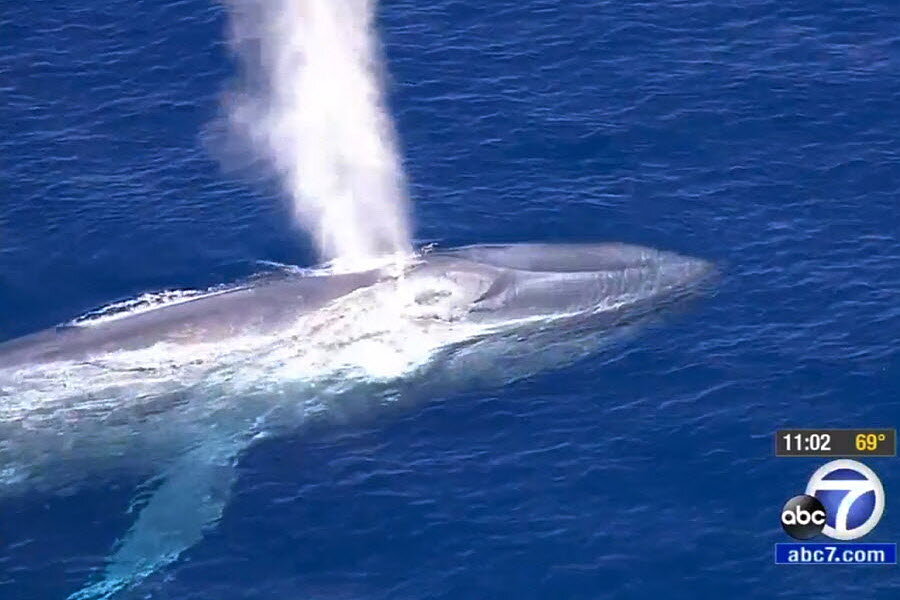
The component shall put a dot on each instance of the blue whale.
(177, 391)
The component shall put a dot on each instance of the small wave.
(281, 267)
(388, 263)
(143, 303)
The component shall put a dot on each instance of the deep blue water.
(763, 135)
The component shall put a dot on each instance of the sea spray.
(310, 102)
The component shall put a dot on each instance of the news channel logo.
(844, 500)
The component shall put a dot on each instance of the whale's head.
(509, 283)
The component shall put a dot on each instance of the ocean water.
(762, 135)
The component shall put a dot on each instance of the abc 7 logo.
(844, 499)
(803, 517)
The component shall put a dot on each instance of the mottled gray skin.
(534, 280)
(500, 282)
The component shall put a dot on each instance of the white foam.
(143, 303)
(377, 333)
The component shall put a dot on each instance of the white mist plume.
(312, 105)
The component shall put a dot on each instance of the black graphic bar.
(836, 442)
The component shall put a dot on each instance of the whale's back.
(256, 309)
